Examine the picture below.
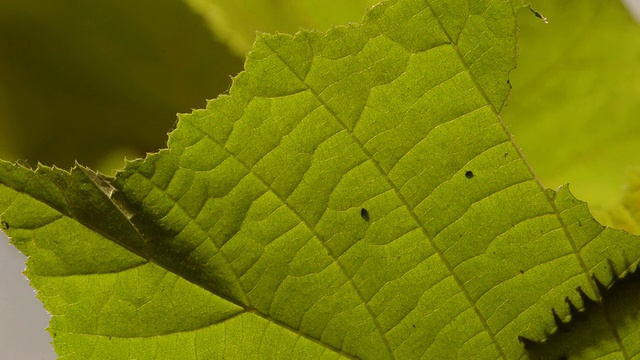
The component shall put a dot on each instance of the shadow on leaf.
(598, 329)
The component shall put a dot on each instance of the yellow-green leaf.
(236, 22)
(355, 195)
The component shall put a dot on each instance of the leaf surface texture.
(355, 195)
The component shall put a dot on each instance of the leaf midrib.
(246, 309)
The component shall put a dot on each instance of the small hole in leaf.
(5, 225)
(365, 214)
(469, 174)
(521, 271)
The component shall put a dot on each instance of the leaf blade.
(259, 200)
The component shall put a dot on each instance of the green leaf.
(585, 337)
(576, 87)
(356, 195)
(235, 22)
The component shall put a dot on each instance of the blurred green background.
(98, 80)
(575, 103)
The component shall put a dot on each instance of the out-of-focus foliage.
(235, 22)
(626, 213)
(577, 86)
(93, 81)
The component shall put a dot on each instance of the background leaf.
(79, 80)
(577, 87)
(235, 22)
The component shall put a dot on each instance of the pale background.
(22, 317)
